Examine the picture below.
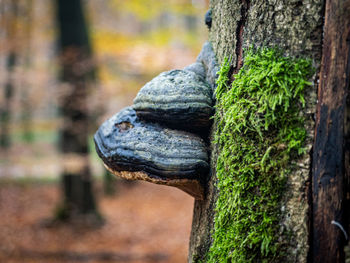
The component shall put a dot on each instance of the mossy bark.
(296, 27)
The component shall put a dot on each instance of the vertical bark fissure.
(239, 37)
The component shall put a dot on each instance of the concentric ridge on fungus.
(150, 152)
(181, 99)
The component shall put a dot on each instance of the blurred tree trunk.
(297, 27)
(10, 17)
(77, 75)
(26, 107)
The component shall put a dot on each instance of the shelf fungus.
(180, 99)
(138, 150)
(158, 138)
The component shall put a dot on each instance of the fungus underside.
(260, 132)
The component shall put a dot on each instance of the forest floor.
(144, 223)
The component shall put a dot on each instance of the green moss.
(259, 132)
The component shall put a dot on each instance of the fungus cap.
(136, 150)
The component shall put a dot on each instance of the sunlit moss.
(259, 132)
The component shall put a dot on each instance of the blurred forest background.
(66, 66)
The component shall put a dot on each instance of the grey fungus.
(160, 138)
(207, 58)
(181, 99)
(208, 18)
(197, 68)
(137, 150)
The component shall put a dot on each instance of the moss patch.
(260, 131)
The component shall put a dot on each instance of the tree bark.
(296, 27)
(77, 74)
(330, 147)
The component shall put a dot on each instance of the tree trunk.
(77, 74)
(26, 105)
(10, 17)
(297, 27)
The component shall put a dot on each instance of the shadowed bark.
(331, 147)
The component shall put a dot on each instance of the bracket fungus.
(158, 138)
(150, 152)
(181, 99)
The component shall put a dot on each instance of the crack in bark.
(239, 38)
